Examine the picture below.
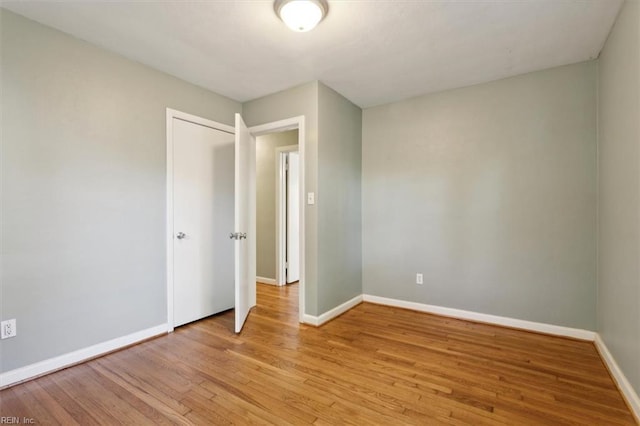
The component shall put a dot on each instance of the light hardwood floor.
(373, 365)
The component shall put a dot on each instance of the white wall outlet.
(311, 198)
(8, 328)
(418, 278)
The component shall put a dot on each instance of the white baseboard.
(264, 280)
(557, 330)
(625, 387)
(331, 314)
(53, 364)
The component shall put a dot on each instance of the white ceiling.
(371, 51)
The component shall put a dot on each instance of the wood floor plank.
(50, 406)
(372, 365)
(64, 401)
(159, 412)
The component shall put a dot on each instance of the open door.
(293, 219)
(245, 223)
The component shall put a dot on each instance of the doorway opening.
(277, 208)
(288, 218)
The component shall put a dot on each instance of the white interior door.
(245, 223)
(293, 218)
(203, 184)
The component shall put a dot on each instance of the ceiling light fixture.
(301, 15)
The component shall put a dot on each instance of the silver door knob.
(181, 235)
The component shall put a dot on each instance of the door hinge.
(238, 235)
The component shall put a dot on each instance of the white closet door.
(203, 205)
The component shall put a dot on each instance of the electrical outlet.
(8, 328)
(418, 278)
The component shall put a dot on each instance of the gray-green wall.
(83, 190)
(619, 193)
(339, 202)
(266, 199)
(490, 192)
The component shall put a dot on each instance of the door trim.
(171, 114)
(281, 208)
(278, 126)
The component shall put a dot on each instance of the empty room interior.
(320, 212)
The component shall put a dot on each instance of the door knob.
(181, 235)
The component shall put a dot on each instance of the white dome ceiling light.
(301, 15)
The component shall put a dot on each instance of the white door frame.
(279, 126)
(281, 217)
(171, 114)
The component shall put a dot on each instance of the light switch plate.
(311, 198)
